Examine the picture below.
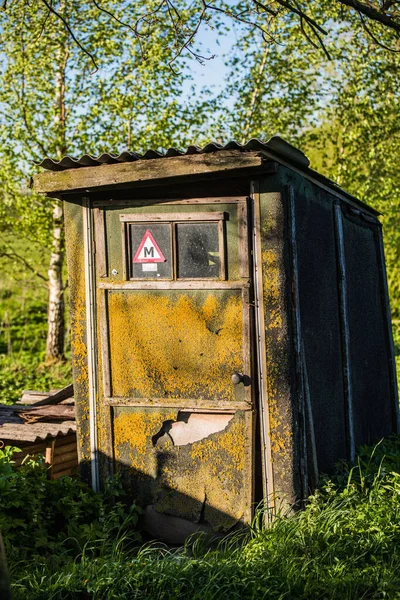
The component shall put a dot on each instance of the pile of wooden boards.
(43, 423)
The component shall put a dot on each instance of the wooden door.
(175, 316)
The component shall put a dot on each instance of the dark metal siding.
(319, 316)
(368, 345)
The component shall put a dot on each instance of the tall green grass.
(344, 545)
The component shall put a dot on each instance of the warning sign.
(148, 251)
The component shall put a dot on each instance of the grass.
(344, 545)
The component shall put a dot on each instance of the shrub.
(41, 518)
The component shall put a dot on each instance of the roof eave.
(150, 171)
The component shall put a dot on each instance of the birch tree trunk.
(55, 317)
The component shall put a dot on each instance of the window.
(174, 246)
(197, 250)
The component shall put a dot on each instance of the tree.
(343, 113)
(51, 106)
(184, 19)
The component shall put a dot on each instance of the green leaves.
(343, 113)
(39, 517)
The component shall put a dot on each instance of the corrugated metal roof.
(35, 431)
(30, 423)
(275, 144)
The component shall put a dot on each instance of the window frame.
(172, 219)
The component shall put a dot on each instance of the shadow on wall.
(168, 514)
(184, 480)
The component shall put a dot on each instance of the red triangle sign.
(148, 251)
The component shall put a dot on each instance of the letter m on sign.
(148, 250)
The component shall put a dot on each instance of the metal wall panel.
(319, 304)
(368, 345)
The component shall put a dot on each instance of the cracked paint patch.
(191, 427)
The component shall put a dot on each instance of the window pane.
(198, 252)
(150, 254)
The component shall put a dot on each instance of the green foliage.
(28, 372)
(342, 112)
(54, 102)
(41, 518)
(23, 321)
(345, 544)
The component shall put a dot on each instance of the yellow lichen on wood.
(76, 275)
(182, 478)
(136, 429)
(76, 269)
(172, 346)
(272, 283)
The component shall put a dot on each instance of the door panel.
(176, 344)
(205, 479)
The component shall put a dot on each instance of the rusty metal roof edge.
(276, 144)
(27, 433)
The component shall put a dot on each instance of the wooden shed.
(230, 325)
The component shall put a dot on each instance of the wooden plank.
(164, 201)
(66, 392)
(247, 354)
(66, 439)
(314, 473)
(91, 337)
(107, 412)
(64, 458)
(243, 240)
(175, 285)
(32, 396)
(100, 243)
(31, 449)
(345, 332)
(65, 448)
(298, 345)
(49, 458)
(46, 413)
(49, 455)
(184, 404)
(266, 451)
(222, 249)
(200, 216)
(70, 464)
(388, 331)
(225, 161)
(105, 346)
(125, 249)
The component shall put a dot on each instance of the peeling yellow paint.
(136, 428)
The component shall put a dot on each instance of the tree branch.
(71, 33)
(302, 14)
(21, 259)
(374, 14)
(369, 32)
